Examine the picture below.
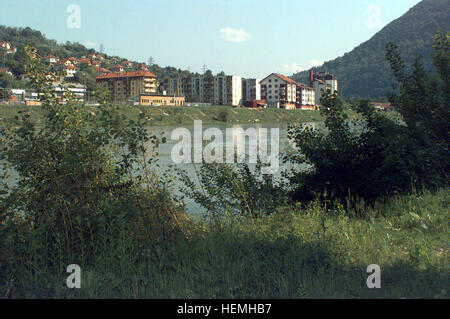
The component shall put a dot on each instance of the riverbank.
(174, 115)
(296, 253)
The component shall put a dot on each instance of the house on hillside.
(6, 70)
(10, 49)
(70, 71)
(86, 61)
(51, 59)
(117, 68)
(382, 106)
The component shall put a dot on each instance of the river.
(165, 164)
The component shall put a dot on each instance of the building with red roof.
(279, 91)
(127, 87)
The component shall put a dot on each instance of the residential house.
(117, 68)
(6, 71)
(70, 71)
(85, 61)
(10, 49)
(51, 59)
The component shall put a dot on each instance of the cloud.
(90, 44)
(374, 19)
(295, 68)
(234, 35)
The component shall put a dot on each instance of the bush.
(379, 156)
(78, 187)
(226, 189)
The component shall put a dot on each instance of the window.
(270, 97)
(270, 86)
(270, 81)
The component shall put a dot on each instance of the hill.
(364, 72)
(21, 37)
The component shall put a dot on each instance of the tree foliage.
(379, 155)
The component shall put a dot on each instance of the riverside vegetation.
(373, 195)
(176, 115)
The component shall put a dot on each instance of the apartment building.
(228, 90)
(126, 87)
(322, 82)
(251, 90)
(279, 91)
(306, 97)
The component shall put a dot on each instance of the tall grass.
(296, 253)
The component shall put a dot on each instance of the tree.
(383, 156)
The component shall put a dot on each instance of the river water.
(164, 163)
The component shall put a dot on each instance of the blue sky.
(251, 38)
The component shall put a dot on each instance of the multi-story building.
(176, 87)
(207, 89)
(322, 82)
(306, 97)
(126, 87)
(228, 90)
(251, 90)
(196, 89)
(279, 91)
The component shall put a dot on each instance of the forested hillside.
(21, 37)
(364, 72)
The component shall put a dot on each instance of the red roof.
(134, 74)
(284, 78)
(303, 86)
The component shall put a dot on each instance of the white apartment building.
(251, 90)
(228, 90)
(306, 97)
(279, 91)
(322, 82)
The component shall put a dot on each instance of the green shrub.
(77, 186)
(379, 156)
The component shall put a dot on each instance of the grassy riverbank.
(172, 115)
(297, 253)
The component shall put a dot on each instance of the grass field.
(297, 253)
(172, 115)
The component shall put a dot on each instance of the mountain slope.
(21, 37)
(364, 72)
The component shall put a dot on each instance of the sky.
(249, 38)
